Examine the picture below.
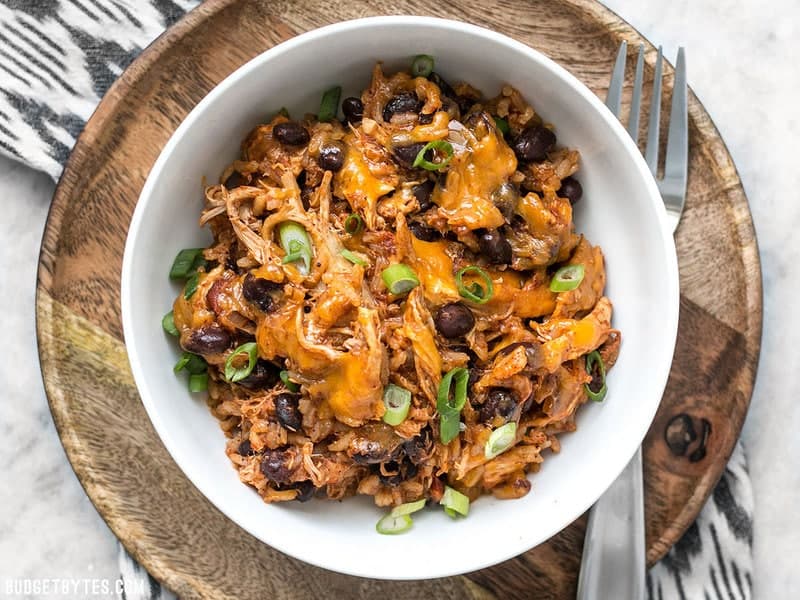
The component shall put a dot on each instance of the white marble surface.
(741, 65)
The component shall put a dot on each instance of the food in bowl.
(396, 304)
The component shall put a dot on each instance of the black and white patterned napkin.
(59, 57)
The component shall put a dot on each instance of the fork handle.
(613, 563)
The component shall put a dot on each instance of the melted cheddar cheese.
(472, 177)
(358, 185)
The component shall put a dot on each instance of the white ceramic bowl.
(621, 211)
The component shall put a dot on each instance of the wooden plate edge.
(617, 26)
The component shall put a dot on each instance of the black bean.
(464, 103)
(418, 449)
(305, 490)
(275, 465)
(288, 412)
(305, 197)
(495, 247)
(291, 133)
(406, 155)
(257, 291)
(370, 452)
(405, 102)
(423, 232)
(474, 376)
(423, 192)
(445, 87)
(454, 320)
(235, 180)
(499, 402)
(331, 156)
(425, 118)
(209, 339)
(264, 376)
(571, 189)
(533, 144)
(353, 109)
(394, 479)
(245, 448)
(505, 198)
(398, 472)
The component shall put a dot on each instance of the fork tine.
(651, 151)
(677, 137)
(614, 97)
(636, 101)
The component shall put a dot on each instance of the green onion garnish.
(191, 285)
(399, 278)
(475, 293)
(502, 125)
(397, 401)
(234, 374)
(353, 224)
(593, 359)
(354, 258)
(168, 323)
(408, 508)
(450, 409)
(422, 66)
(297, 245)
(290, 385)
(500, 440)
(330, 104)
(567, 278)
(455, 503)
(390, 525)
(283, 112)
(198, 382)
(185, 262)
(441, 146)
(191, 362)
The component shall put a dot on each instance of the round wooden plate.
(145, 499)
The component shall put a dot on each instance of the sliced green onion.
(198, 382)
(234, 374)
(422, 66)
(283, 112)
(475, 293)
(184, 263)
(354, 258)
(567, 278)
(399, 278)
(441, 146)
(290, 385)
(500, 440)
(593, 359)
(450, 408)
(191, 285)
(353, 224)
(193, 363)
(168, 323)
(397, 401)
(391, 525)
(502, 125)
(330, 104)
(408, 508)
(297, 245)
(455, 503)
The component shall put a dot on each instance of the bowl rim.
(659, 374)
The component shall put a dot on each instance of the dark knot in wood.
(682, 437)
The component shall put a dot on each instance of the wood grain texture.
(160, 517)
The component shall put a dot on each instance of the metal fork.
(613, 563)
